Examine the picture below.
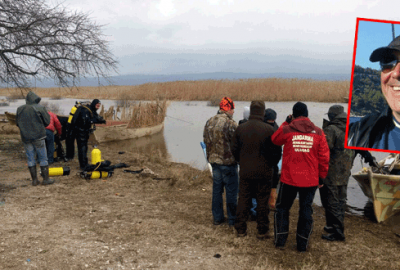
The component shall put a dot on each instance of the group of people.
(40, 128)
(311, 158)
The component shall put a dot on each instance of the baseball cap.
(383, 53)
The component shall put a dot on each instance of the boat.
(382, 186)
(119, 130)
(112, 131)
(11, 118)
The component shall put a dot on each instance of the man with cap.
(334, 192)
(305, 164)
(83, 122)
(217, 135)
(252, 148)
(382, 131)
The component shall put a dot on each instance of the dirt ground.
(154, 221)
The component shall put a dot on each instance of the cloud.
(309, 28)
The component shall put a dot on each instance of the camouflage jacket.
(217, 135)
(341, 159)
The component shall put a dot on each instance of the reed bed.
(267, 89)
(147, 114)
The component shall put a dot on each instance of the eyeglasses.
(388, 66)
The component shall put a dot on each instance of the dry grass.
(269, 89)
(148, 114)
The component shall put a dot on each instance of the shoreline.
(138, 222)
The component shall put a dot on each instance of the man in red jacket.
(54, 125)
(305, 164)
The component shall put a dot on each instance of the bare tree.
(39, 41)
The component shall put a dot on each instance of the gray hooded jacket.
(32, 119)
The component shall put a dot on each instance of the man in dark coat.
(270, 118)
(32, 119)
(81, 125)
(334, 192)
(252, 147)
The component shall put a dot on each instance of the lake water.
(183, 132)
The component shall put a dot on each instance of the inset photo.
(373, 122)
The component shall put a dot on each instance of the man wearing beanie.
(305, 164)
(253, 149)
(269, 118)
(217, 135)
(334, 192)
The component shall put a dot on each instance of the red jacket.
(54, 124)
(305, 152)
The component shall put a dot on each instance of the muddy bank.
(132, 221)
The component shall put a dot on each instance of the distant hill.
(367, 96)
(136, 79)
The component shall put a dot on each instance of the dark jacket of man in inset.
(252, 148)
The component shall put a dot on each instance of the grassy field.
(269, 89)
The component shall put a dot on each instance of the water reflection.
(148, 144)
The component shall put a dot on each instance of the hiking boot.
(33, 172)
(329, 229)
(45, 175)
(239, 235)
(263, 236)
(333, 237)
(280, 247)
(219, 222)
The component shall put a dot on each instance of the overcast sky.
(169, 37)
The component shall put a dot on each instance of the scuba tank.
(71, 114)
(96, 155)
(96, 174)
(74, 108)
(59, 171)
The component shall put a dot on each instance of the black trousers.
(261, 189)
(333, 199)
(70, 144)
(286, 196)
(82, 137)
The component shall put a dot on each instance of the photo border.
(351, 87)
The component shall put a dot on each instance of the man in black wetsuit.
(83, 122)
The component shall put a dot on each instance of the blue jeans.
(34, 148)
(50, 146)
(224, 176)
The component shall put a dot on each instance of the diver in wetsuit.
(83, 122)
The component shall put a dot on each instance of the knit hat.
(270, 114)
(257, 107)
(336, 109)
(226, 104)
(300, 109)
